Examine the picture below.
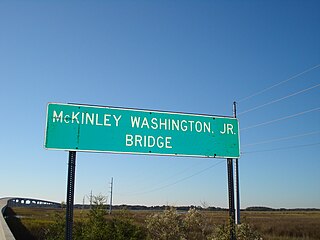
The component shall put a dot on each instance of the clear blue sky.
(186, 56)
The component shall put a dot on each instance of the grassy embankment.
(273, 225)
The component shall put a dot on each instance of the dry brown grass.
(278, 225)
(286, 224)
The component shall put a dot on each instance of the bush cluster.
(166, 225)
(170, 225)
(96, 227)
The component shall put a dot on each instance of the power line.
(279, 99)
(192, 166)
(283, 148)
(280, 119)
(178, 181)
(275, 85)
(281, 139)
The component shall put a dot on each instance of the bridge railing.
(5, 232)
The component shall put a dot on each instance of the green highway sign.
(76, 127)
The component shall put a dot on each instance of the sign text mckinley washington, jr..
(108, 129)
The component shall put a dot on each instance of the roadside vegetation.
(170, 224)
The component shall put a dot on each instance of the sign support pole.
(237, 192)
(231, 198)
(232, 219)
(70, 194)
(237, 177)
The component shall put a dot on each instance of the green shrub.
(56, 230)
(194, 225)
(96, 227)
(221, 232)
(170, 225)
(242, 232)
(165, 226)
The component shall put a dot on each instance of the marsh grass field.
(29, 223)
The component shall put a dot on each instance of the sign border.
(139, 110)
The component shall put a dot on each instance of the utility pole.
(111, 189)
(91, 200)
(237, 176)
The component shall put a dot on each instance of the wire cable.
(275, 85)
(280, 119)
(192, 166)
(280, 99)
(178, 181)
(283, 148)
(281, 139)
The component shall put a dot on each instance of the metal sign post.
(232, 217)
(231, 198)
(237, 176)
(237, 192)
(70, 194)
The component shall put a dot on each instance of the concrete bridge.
(5, 233)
